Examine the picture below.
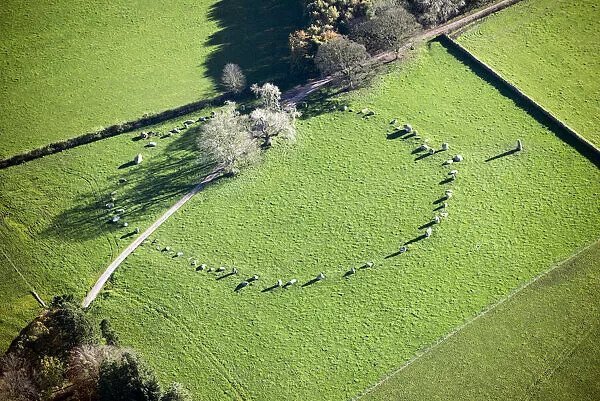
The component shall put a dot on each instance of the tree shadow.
(254, 35)
(507, 153)
(148, 186)
(321, 102)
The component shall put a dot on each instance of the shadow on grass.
(507, 153)
(254, 35)
(416, 239)
(151, 187)
(321, 102)
(399, 133)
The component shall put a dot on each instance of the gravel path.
(93, 293)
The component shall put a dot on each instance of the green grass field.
(345, 194)
(53, 216)
(549, 49)
(69, 67)
(542, 344)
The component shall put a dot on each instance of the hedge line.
(113, 130)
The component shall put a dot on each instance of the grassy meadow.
(542, 344)
(344, 194)
(54, 221)
(69, 67)
(549, 49)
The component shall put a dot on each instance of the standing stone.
(519, 145)
(138, 158)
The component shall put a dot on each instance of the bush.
(127, 379)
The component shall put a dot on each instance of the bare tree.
(344, 56)
(268, 124)
(388, 27)
(16, 382)
(233, 78)
(431, 12)
(227, 139)
(269, 95)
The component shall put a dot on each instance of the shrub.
(126, 378)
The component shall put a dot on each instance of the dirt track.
(297, 94)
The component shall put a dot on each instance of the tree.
(431, 12)
(227, 139)
(269, 95)
(388, 27)
(233, 79)
(176, 393)
(127, 379)
(271, 120)
(16, 381)
(268, 124)
(83, 369)
(341, 55)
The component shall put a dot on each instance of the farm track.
(484, 312)
(132, 247)
(290, 98)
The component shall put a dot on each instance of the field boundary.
(472, 319)
(585, 147)
(290, 97)
(113, 130)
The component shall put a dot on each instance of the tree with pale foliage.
(271, 120)
(344, 56)
(233, 79)
(431, 12)
(227, 140)
(268, 124)
(83, 368)
(269, 95)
